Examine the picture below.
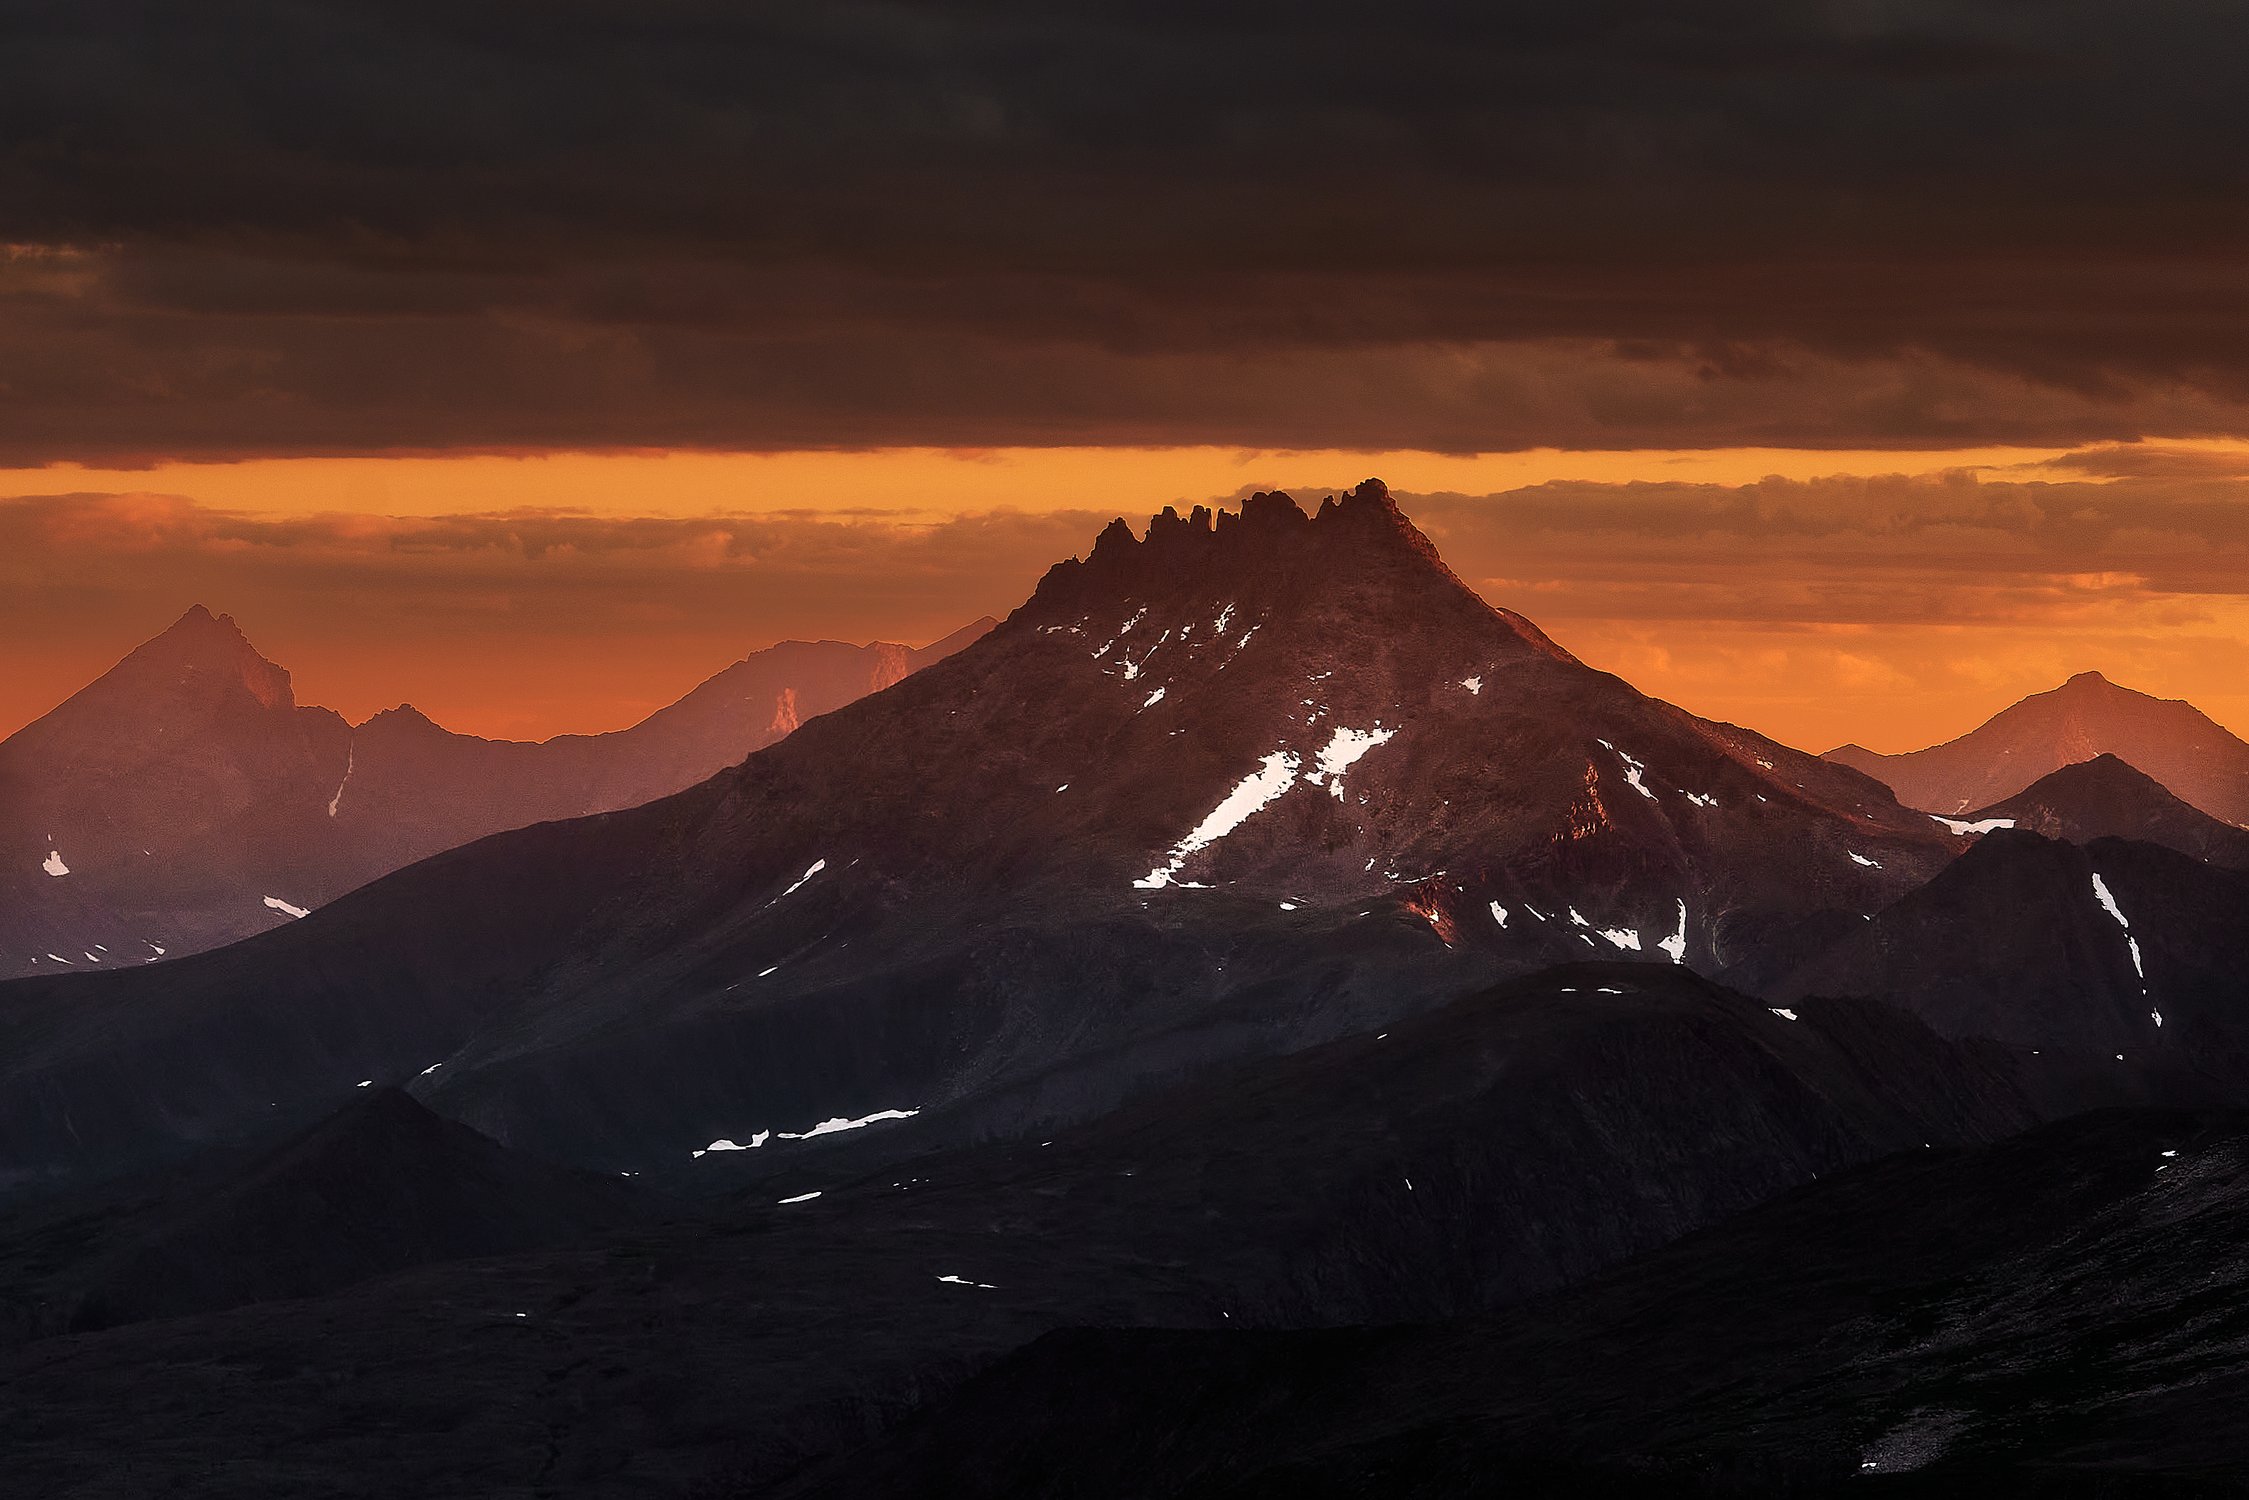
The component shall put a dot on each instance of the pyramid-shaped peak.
(198, 623)
(2087, 680)
(208, 647)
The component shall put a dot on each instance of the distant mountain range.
(2172, 741)
(185, 799)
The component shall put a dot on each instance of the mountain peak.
(1352, 542)
(198, 624)
(203, 645)
(2088, 681)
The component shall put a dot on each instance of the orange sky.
(1895, 598)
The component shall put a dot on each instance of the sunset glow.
(1888, 597)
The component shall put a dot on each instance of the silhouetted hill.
(381, 1186)
(2105, 798)
(2114, 948)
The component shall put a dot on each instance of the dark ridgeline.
(185, 800)
(2174, 742)
(1255, 943)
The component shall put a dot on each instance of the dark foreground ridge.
(2041, 1317)
(1498, 1147)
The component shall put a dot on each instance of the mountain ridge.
(184, 799)
(1235, 786)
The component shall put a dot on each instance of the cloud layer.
(248, 227)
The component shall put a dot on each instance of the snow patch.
(840, 1123)
(982, 1286)
(1154, 698)
(815, 868)
(1632, 770)
(336, 802)
(1676, 944)
(2108, 900)
(1623, 937)
(280, 905)
(1980, 825)
(1860, 859)
(725, 1144)
(1473, 684)
(799, 1198)
(1499, 914)
(53, 864)
(1342, 752)
(1274, 775)
(1782, 1011)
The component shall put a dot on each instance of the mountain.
(1245, 783)
(185, 800)
(2128, 955)
(381, 1186)
(414, 788)
(2172, 741)
(2045, 1316)
(1498, 1146)
(2106, 798)
(159, 809)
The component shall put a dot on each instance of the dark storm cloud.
(308, 226)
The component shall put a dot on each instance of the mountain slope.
(1251, 782)
(2170, 740)
(1512, 1140)
(2117, 950)
(2105, 798)
(415, 788)
(2048, 1316)
(381, 1186)
(185, 800)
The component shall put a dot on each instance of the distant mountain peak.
(2166, 739)
(212, 646)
